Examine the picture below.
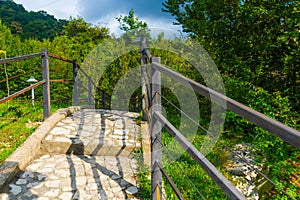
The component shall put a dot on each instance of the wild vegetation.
(254, 45)
(256, 42)
(36, 25)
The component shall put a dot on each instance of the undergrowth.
(18, 120)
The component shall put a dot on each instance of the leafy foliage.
(18, 121)
(38, 25)
(260, 69)
(132, 26)
(257, 42)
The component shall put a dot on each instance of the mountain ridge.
(29, 24)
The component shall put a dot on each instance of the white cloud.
(156, 25)
(110, 22)
(104, 12)
(60, 9)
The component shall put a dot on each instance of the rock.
(15, 190)
(5, 197)
(52, 193)
(238, 171)
(115, 177)
(41, 177)
(131, 191)
(34, 167)
(21, 182)
(248, 178)
(28, 194)
(42, 198)
(53, 184)
(33, 184)
(66, 195)
(242, 156)
(81, 180)
(67, 189)
(27, 174)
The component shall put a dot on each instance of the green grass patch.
(18, 120)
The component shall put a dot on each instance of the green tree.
(80, 29)
(257, 41)
(38, 25)
(132, 26)
(82, 37)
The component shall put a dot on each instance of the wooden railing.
(46, 81)
(151, 108)
(151, 93)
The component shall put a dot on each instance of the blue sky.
(104, 12)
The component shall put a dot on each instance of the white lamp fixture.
(32, 80)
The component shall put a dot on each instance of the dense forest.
(255, 46)
(37, 25)
(257, 41)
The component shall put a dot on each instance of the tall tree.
(79, 28)
(82, 37)
(132, 26)
(257, 41)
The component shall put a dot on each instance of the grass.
(191, 180)
(143, 182)
(185, 172)
(15, 118)
(189, 177)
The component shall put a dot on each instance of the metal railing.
(151, 94)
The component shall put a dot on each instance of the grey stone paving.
(87, 155)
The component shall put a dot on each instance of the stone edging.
(30, 149)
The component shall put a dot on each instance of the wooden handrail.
(18, 58)
(5, 99)
(277, 128)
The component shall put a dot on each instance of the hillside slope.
(38, 25)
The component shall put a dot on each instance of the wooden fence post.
(143, 80)
(144, 95)
(46, 86)
(156, 141)
(75, 89)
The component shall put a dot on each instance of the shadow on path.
(77, 148)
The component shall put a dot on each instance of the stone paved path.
(87, 155)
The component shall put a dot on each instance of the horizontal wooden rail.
(83, 71)
(13, 59)
(168, 178)
(81, 85)
(230, 190)
(60, 58)
(278, 129)
(61, 81)
(21, 92)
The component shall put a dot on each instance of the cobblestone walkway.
(87, 155)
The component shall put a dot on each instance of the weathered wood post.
(143, 79)
(156, 141)
(46, 86)
(75, 89)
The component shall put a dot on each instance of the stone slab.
(78, 153)
(31, 147)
